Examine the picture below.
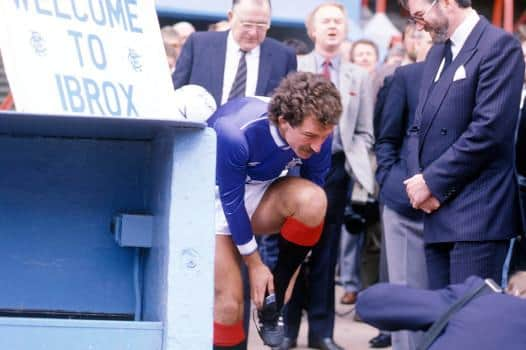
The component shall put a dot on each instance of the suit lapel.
(430, 72)
(217, 66)
(307, 63)
(265, 67)
(347, 86)
(434, 97)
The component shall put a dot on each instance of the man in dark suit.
(489, 321)
(211, 59)
(520, 163)
(402, 225)
(461, 144)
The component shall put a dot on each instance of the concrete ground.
(348, 333)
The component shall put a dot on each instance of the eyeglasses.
(258, 27)
(419, 17)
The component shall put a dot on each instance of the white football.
(194, 102)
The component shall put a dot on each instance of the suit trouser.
(406, 262)
(314, 289)
(453, 262)
(350, 258)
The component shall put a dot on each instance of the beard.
(438, 32)
(438, 28)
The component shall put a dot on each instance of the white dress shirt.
(460, 35)
(233, 53)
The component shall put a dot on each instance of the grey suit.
(356, 131)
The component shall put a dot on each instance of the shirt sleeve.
(231, 172)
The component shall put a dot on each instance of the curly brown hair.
(303, 94)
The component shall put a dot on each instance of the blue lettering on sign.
(93, 96)
(74, 94)
(98, 60)
(82, 18)
(111, 101)
(58, 11)
(58, 79)
(41, 10)
(95, 46)
(132, 16)
(76, 36)
(85, 95)
(17, 4)
(99, 18)
(129, 97)
(112, 13)
(116, 14)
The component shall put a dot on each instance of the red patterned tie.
(326, 72)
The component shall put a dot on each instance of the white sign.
(87, 57)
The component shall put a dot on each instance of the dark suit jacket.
(488, 322)
(202, 62)
(462, 139)
(520, 149)
(391, 137)
(520, 160)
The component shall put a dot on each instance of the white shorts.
(253, 194)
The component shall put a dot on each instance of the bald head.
(184, 29)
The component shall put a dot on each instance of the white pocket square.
(460, 73)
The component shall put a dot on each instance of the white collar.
(461, 34)
(233, 46)
(276, 136)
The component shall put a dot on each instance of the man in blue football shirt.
(256, 143)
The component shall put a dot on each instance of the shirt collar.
(335, 62)
(233, 46)
(461, 34)
(276, 136)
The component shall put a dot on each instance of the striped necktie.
(240, 81)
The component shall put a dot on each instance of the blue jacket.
(391, 138)
(489, 322)
(202, 62)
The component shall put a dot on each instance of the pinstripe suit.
(462, 143)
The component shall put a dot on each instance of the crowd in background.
(382, 99)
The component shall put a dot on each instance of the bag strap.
(434, 331)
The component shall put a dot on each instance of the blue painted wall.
(62, 179)
(58, 198)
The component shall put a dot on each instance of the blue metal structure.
(290, 13)
(67, 283)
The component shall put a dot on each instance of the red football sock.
(228, 336)
(297, 232)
